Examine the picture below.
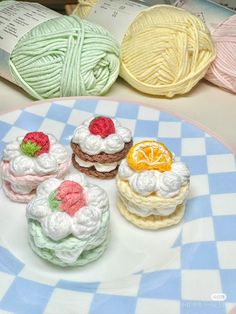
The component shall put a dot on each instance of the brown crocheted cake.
(99, 145)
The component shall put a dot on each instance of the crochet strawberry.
(102, 126)
(35, 144)
(68, 197)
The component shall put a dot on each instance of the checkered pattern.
(202, 266)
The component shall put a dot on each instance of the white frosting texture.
(145, 211)
(21, 164)
(59, 224)
(165, 184)
(21, 189)
(95, 144)
(106, 167)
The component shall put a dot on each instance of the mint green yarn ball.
(65, 56)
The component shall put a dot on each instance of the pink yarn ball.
(222, 71)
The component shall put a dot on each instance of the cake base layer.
(27, 180)
(50, 250)
(102, 157)
(153, 211)
(16, 197)
(92, 172)
(152, 222)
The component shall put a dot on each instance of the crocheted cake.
(68, 221)
(98, 145)
(152, 186)
(27, 161)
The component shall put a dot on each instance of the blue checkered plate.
(189, 268)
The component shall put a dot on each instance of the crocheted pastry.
(30, 160)
(68, 221)
(152, 187)
(98, 145)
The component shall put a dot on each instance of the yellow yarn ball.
(84, 7)
(165, 51)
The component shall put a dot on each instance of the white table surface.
(207, 105)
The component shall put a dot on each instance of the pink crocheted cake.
(30, 160)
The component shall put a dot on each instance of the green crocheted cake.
(68, 221)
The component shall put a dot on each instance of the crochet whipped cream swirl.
(82, 222)
(20, 164)
(165, 184)
(95, 144)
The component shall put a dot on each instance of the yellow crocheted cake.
(152, 186)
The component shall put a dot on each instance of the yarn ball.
(165, 50)
(65, 56)
(222, 71)
(84, 7)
